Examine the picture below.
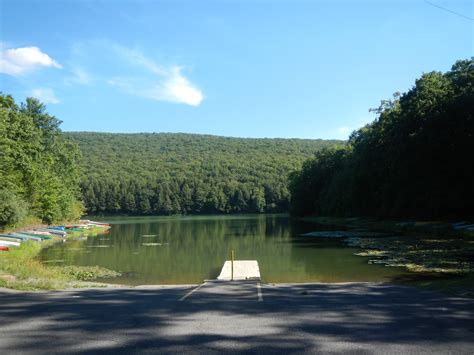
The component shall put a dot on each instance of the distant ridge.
(168, 173)
(204, 135)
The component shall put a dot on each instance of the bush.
(12, 208)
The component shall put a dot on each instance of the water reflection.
(191, 249)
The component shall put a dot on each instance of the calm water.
(183, 250)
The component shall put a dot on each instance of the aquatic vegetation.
(86, 273)
(371, 253)
(423, 268)
(416, 254)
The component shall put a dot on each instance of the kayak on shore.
(89, 222)
(41, 234)
(7, 243)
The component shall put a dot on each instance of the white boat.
(7, 243)
(52, 231)
(38, 232)
(26, 237)
(94, 224)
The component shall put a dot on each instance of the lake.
(188, 250)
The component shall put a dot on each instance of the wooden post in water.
(231, 265)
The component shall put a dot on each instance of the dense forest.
(163, 173)
(415, 160)
(38, 166)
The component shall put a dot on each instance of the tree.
(39, 167)
(414, 160)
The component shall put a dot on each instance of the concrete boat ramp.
(240, 270)
(238, 280)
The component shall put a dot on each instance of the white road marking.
(191, 292)
(259, 292)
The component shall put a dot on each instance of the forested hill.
(416, 160)
(164, 173)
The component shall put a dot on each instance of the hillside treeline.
(415, 160)
(39, 176)
(158, 173)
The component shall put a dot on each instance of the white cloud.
(137, 58)
(176, 88)
(45, 95)
(167, 83)
(18, 61)
(79, 76)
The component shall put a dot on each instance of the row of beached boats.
(14, 239)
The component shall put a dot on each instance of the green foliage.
(38, 166)
(21, 269)
(152, 173)
(12, 208)
(85, 273)
(415, 160)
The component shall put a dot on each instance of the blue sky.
(306, 69)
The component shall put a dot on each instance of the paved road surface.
(238, 317)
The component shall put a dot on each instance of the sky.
(261, 68)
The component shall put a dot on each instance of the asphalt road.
(237, 317)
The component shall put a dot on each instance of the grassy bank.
(21, 269)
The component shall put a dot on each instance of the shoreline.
(59, 279)
(405, 226)
(97, 286)
(21, 268)
(107, 287)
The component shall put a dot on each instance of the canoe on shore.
(27, 237)
(37, 232)
(19, 237)
(47, 233)
(4, 248)
(7, 243)
(99, 224)
(41, 236)
(53, 231)
(58, 228)
(77, 226)
(11, 238)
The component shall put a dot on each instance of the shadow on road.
(291, 318)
